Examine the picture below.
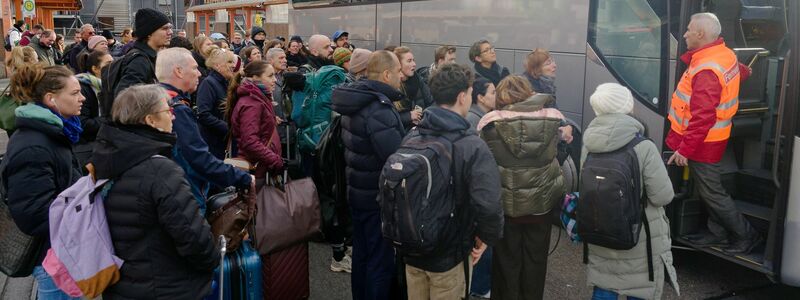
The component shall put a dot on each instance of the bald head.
(384, 66)
(320, 46)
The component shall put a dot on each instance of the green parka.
(523, 138)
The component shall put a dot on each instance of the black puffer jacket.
(154, 220)
(39, 165)
(372, 131)
(138, 69)
(477, 188)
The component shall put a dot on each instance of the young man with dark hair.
(483, 54)
(442, 55)
(476, 190)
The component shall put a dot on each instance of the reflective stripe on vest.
(722, 61)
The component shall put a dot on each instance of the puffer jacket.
(254, 128)
(154, 221)
(371, 131)
(417, 93)
(138, 69)
(625, 271)
(523, 138)
(210, 94)
(39, 164)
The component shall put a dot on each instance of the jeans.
(47, 288)
(603, 294)
(482, 274)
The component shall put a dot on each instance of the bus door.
(758, 154)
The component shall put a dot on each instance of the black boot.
(707, 240)
(744, 246)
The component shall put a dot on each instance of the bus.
(636, 43)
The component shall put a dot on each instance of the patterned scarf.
(91, 80)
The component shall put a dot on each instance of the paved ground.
(700, 276)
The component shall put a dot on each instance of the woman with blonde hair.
(202, 46)
(211, 96)
(21, 56)
(523, 135)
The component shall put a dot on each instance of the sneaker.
(345, 265)
(488, 295)
(744, 247)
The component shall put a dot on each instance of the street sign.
(29, 9)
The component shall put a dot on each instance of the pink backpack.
(81, 259)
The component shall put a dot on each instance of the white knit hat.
(611, 98)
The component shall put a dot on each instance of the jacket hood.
(525, 128)
(40, 119)
(437, 120)
(533, 103)
(35, 112)
(610, 132)
(121, 147)
(349, 100)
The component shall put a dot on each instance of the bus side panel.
(559, 26)
(790, 267)
(358, 20)
(389, 22)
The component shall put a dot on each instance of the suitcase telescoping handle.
(223, 244)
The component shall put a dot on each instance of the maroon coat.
(253, 125)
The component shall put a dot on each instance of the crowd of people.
(163, 125)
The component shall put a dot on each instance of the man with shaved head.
(321, 52)
(371, 131)
(703, 105)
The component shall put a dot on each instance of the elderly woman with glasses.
(155, 223)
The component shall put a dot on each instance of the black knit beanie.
(149, 20)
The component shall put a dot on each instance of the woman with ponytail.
(90, 64)
(250, 113)
(39, 163)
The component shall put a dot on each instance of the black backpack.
(331, 181)
(612, 203)
(110, 77)
(417, 196)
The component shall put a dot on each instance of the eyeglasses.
(490, 49)
(170, 110)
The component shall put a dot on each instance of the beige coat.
(625, 271)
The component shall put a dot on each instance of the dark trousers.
(519, 263)
(724, 217)
(373, 258)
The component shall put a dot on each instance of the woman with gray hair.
(152, 216)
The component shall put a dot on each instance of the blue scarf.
(72, 127)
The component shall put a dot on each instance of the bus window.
(317, 3)
(627, 34)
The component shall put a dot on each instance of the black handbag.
(19, 252)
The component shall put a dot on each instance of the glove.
(295, 81)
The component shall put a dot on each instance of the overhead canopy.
(241, 4)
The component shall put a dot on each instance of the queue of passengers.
(163, 140)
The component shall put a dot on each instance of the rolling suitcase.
(285, 273)
(241, 275)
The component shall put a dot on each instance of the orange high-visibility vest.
(722, 61)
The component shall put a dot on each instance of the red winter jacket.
(253, 125)
(706, 91)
